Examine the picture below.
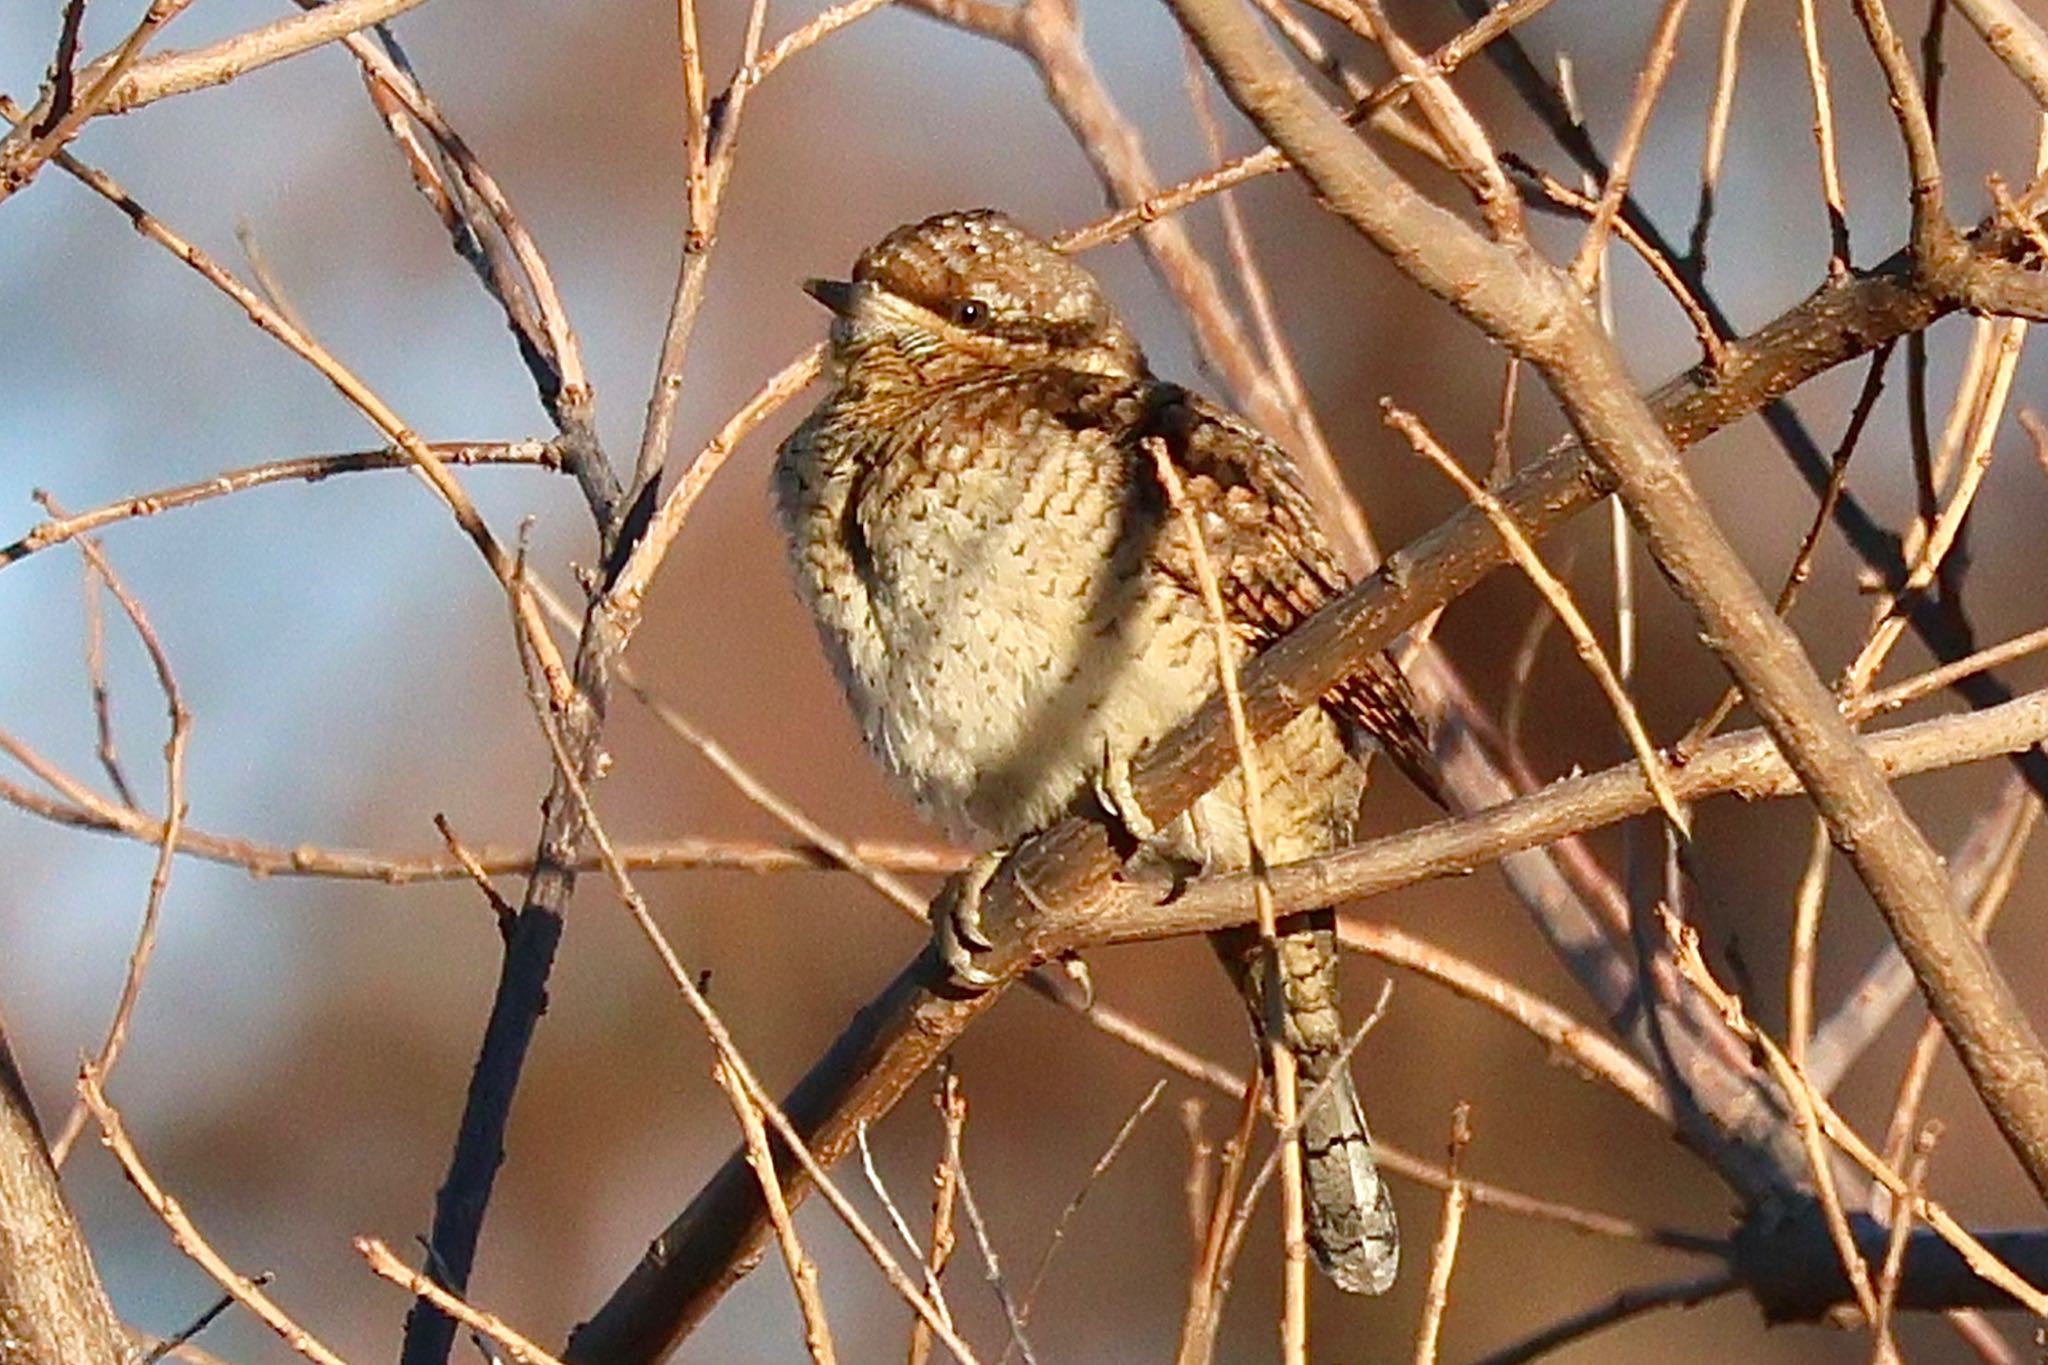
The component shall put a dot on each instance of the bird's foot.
(1114, 791)
(956, 921)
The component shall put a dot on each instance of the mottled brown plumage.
(1012, 607)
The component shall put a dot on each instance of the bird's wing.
(1274, 566)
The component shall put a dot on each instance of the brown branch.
(486, 231)
(1716, 142)
(309, 468)
(952, 1107)
(51, 1298)
(2014, 38)
(703, 1251)
(30, 146)
(1584, 1049)
(709, 149)
(1748, 764)
(1650, 76)
(1821, 1115)
(385, 1263)
(1824, 141)
(1444, 1255)
(1994, 839)
(174, 804)
(246, 1291)
(399, 869)
(176, 73)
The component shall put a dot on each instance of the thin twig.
(1444, 1255)
(1289, 1134)
(1560, 600)
(951, 1102)
(2015, 38)
(22, 156)
(1981, 1261)
(102, 695)
(1689, 1291)
(1088, 1183)
(1933, 234)
(1801, 570)
(1883, 988)
(1587, 1050)
(1716, 144)
(1947, 528)
(708, 161)
(469, 863)
(1990, 900)
(1294, 1314)
(269, 321)
(1206, 1285)
(803, 1271)
(1353, 529)
(519, 1349)
(1824, 141)
(1458, 132)
(629, 587)
(178, 1343)
(309, 468)
(1807, 903)
(994, 1266)
(1712, 344)
(728, 1052)
(1389, 96)
(1895, 1242)
(167, 845)
(1650, 76)
(186, 1236)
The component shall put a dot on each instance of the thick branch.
(53, 1309)
(1747, 764)
(1790, 1266)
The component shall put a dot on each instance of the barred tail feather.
(1351, 1227)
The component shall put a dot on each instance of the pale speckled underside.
(997, 634)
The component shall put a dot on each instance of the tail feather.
(1351, 1227)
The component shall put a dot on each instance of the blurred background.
(299, 1056)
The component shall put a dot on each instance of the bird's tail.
(1350, 1215)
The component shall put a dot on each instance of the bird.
(1010, 601)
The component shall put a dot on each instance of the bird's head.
(961, 294)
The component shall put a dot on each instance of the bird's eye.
(970, 313)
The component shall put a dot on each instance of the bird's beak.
(837, 295)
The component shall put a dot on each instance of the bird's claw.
(956, 922)
(1114, 791)
(1075, 967)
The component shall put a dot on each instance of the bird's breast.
(996, 627)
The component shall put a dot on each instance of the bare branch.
(51, 1297)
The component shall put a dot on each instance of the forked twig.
(167, 845)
